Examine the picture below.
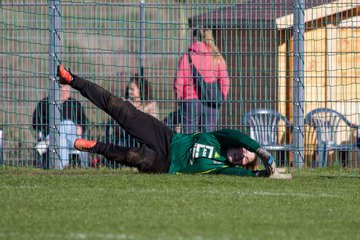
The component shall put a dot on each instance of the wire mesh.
(108, 42)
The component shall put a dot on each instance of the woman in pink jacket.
(205, 57)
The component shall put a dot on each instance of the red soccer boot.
(84, 145)
(64, 75)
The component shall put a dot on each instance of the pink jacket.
(210, 71)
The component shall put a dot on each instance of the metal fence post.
(142, 37)
(1, 148)
(54, 97)
(298, 101)
(358, 147)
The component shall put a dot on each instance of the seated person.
(72, 125)
(139, 93)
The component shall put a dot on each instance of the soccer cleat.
(64, 75)
(84, 145)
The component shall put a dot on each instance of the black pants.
(153, 154)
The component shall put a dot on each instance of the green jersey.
(207, 152)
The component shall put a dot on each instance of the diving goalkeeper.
(163, 151)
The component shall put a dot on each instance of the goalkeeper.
(162, 151)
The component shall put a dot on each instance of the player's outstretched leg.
(96, 94)
(109, 151)
(130, 119)
(147, 129)
(143, 158)
(140, 125)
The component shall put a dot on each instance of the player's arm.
(234, 139)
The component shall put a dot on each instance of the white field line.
(99, 236)
(164, 191)
(22, 187)
(16, 235)
(289, 194)
(280, 194)
(72, 235)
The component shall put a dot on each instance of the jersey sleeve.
(234, 138)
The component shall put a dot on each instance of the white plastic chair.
(328, 124)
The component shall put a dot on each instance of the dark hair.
(196, 34)
(249, 166)
(143, 85)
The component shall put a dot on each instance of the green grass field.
(120, 204)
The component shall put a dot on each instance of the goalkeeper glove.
(267, 160)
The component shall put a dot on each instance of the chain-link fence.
(284, 59)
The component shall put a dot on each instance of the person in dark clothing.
(161, 150)
(73, 122)
(71, 109)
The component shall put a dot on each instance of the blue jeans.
(197, 117)
(68, 136)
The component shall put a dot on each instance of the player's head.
(241, 157)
